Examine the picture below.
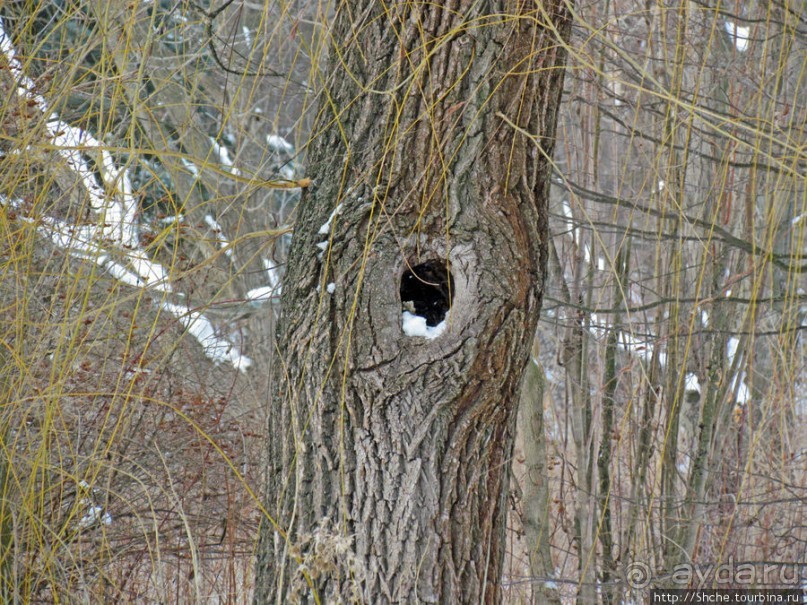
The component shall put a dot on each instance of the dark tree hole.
(426, 290)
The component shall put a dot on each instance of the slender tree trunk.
(389, 453)
(537, 530)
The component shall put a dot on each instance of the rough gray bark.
(389, 455)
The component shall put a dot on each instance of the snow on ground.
(95, 514)
(216, 348)
(572, 231)
(224, 156)
(261, 294)
(692, 384)
(215, 227)
(278, 143)
(192, 168)
(738, 34)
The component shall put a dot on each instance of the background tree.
(390, 446)
(674, 304)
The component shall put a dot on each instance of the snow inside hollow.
(415, 325)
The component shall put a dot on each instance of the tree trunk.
(389, 453)
(536, 507)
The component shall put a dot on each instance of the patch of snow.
(247, 34)
(261, 294)
(219, 233)
(597, 327)
(115, 232)
(635, 294)
(573, 231)
(213, 224)
(120, 273)
(81, 242)
(743, 392)
(738, 34)
(278, 143)
(331, 288)
(731, 348)
(95, 514)
(170, 220)
(325, 229)
(135, 371)
(567, 210)
(224, 156)
(415, 325)
(273, 275)
(692, 383)
(642, 348)
(111, 200)
(738, 384)
(287, 172)
(740, 389)
(704, 318)
(241, 363)
(150, 272)
(190, 166)
(215, 348)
